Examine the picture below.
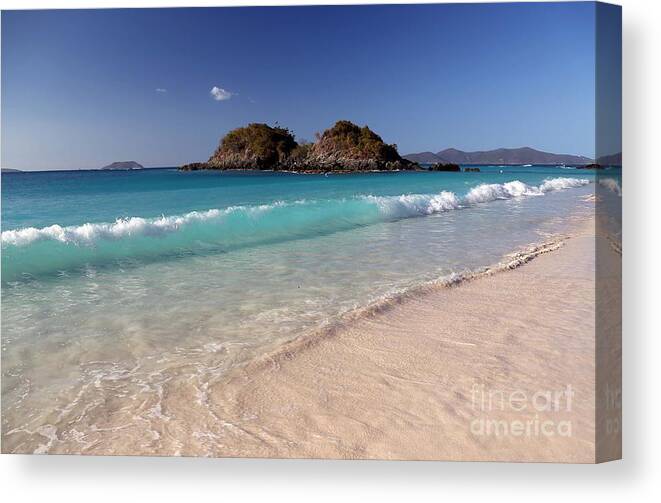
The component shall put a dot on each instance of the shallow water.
(114, 282)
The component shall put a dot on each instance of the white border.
(78, 478)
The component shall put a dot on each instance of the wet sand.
(501, 367)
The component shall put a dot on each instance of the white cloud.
(161, 90)
(220, 94)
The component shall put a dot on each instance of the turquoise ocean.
(112, 281)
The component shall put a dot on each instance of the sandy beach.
(500, 367)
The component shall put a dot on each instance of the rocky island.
(594, 165)
(343, 148)
(440, 166)
(123, 165)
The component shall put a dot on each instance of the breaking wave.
(490, 192)
(32, 251)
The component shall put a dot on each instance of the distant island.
(11, 170)
(345, 147)
(123, 165)
(505, 156)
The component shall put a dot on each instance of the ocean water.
(114, 282)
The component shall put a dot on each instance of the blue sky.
(83, 88)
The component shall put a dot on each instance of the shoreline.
(178, 168)
(510, 262)
(306, 171)
(302, 398)
(419, 169)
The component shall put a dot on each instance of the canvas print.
(345, 232)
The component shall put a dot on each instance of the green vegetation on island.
(345, 147)
(257, 146)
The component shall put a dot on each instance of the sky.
(84, 88)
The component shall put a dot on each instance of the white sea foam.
(426, 204)
(493, 191)
(490, 192)
(416, 204)
(122, 227)
(562, 183)
(126, 227)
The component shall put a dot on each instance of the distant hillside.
(123, 165)
(11, 170)
(424, 158)
(524, 155)
(611, 160)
